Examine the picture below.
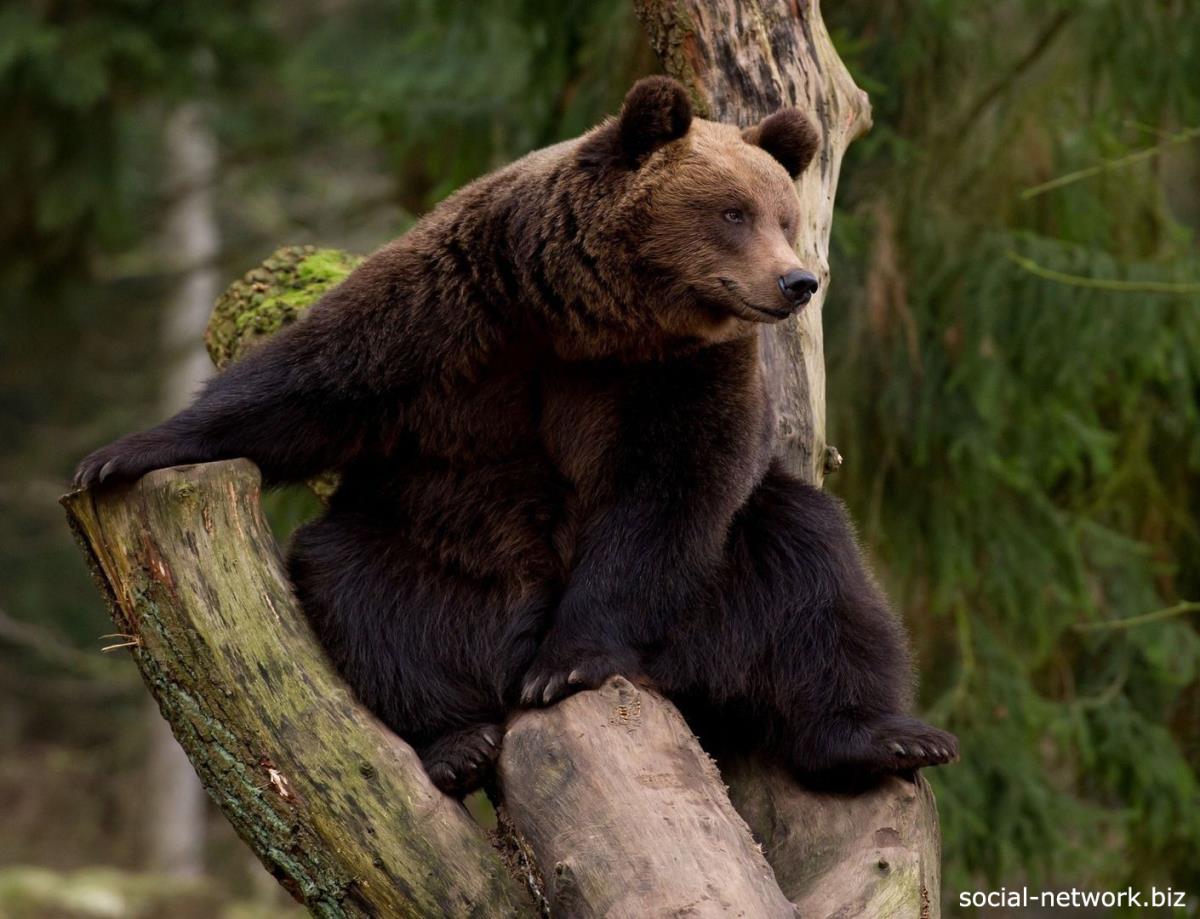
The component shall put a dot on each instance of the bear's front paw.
(121, 461)
(558, 672)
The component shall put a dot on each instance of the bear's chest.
(480, 424)
(699, 424)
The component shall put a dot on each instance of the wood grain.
(627, 816)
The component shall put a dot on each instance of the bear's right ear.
(656, 111)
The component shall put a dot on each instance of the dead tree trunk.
(743, 60)
(877, 854)
(611, 808)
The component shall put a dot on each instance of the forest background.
(1012, 338)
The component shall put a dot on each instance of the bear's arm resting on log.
(317, 393)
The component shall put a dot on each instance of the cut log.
(627, 816)
(872, 853)
(335, 805)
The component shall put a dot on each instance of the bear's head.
(708, 213)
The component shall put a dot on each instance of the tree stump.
(337, 807)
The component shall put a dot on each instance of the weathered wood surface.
(616, 799)
(335, 805)
(872, 853)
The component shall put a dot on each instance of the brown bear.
(547, 407)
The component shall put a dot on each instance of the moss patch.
(271, 296)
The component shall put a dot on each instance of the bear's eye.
(735, 215)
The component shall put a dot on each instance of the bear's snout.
(798, 286)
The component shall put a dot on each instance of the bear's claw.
(126, 459)
(461, 761)
(555, 675)
(901, 744)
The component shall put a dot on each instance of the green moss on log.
(271, 296)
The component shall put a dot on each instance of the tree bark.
(872, 853)
(336, 806)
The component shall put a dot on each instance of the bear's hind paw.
(902, 744)
(461, 761)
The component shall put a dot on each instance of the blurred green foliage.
(1022, 453)
(1013, 370)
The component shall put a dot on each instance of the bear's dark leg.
(434, 655)
(798, 638)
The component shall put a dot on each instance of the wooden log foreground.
(611, 806)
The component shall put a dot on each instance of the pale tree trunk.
(743, 60)
(609, 806)
(175, 800)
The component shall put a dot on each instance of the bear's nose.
(798, 286)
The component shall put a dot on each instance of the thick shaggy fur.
(547, 407)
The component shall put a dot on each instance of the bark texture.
(872, 853)
(336, 806)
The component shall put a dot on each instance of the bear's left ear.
(656, 111)
(788, 136)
